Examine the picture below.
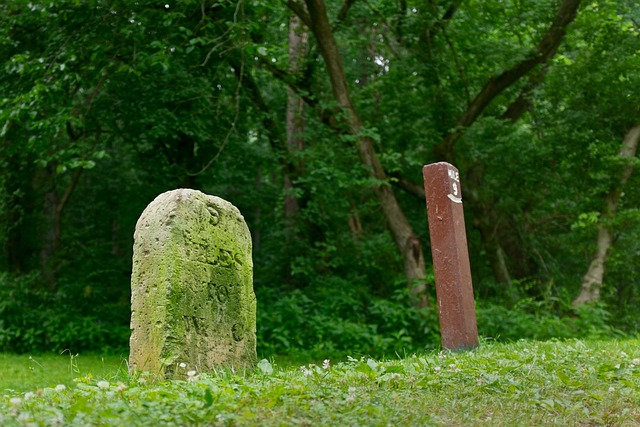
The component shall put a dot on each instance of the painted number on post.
(454, 180)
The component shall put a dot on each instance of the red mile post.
(456, 307)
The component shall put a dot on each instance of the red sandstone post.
(458, 328)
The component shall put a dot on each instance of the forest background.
(315, 118)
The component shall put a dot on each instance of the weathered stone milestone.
(192, 300)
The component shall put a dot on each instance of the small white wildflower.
(306, 372)
(636, 361)
(57, 420)
(103, 384)
(326, 364)
(24, 417)
(60, 387)
(182, 365)
(351, 395)
(121, 387)
(29, 395)
(611, 389)
(191, 373)
(437, 369)
(15, 401)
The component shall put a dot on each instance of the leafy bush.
(544, 319)
(34, 320)
(339, 319)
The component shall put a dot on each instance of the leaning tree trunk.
(405, 238)
(592, 280)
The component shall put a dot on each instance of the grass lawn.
(568, 383)
(21, 373)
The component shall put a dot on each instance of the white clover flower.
(306, 372)
(29, 395)
(15, 401)
(437, 369)
(351, 394)
(182, 365)
(57, 420)
(191, 373)
(326, 364)
(60, 387)
(636, 361)
(611, 389)
(121, 387)
(103, 384)
(24, 417)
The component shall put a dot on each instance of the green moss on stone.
(192, 278)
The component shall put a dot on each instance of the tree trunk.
(406, 240)
(15, 191)
(592, 280)
(53, 207)
(295, 110)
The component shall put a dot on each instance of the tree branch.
(300, 11)
(496, 85)
(412, 188)
(342, 15)
(522, 103)
(448, 15)
(326, 116)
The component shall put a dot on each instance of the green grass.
(570, 383)
(21, 373)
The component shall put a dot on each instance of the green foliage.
(104, 105)
(330, 319)
(34, 320)
(525, 383)
(544, 320)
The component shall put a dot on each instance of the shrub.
(35, 320)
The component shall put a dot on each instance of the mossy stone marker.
(192, 300)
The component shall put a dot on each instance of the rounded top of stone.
(187, 194)
(180, 209)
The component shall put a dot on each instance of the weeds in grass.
(520, 384)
